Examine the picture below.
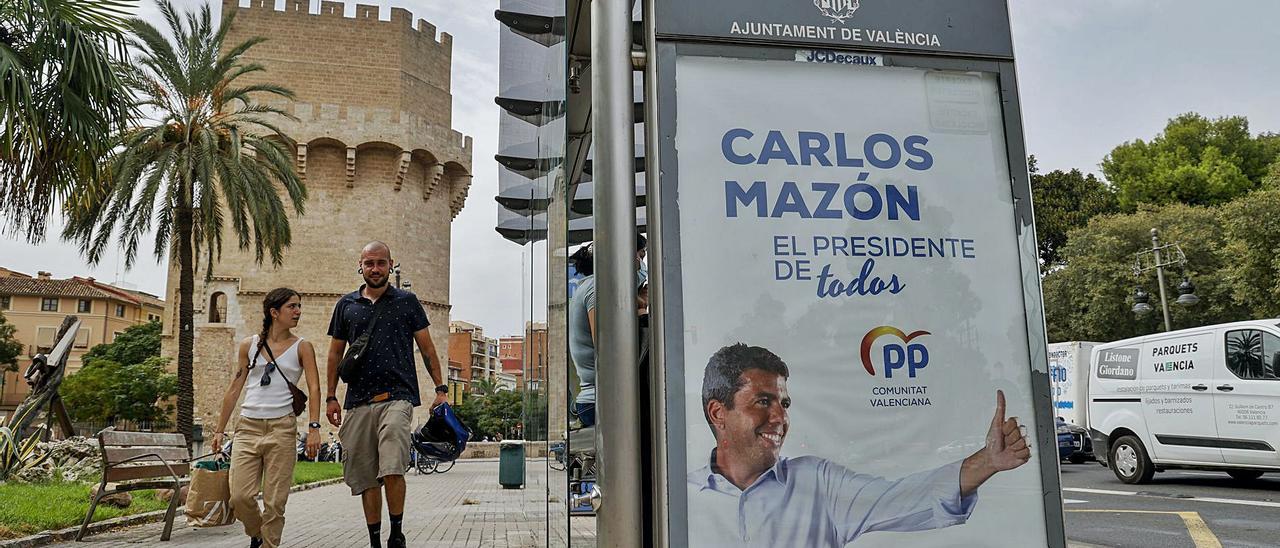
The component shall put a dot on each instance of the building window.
(49, 304)
(85, 306)
(82, 338)
(119, 311)
(152, 317)
(6, 302)
(217, 307)
(45, 339)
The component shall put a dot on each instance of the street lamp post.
(1155, 249)
(1157, 258)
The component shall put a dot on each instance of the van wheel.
(1244, 475)
(1129, 461)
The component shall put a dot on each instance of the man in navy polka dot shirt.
(380, 398)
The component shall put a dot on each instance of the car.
(1074, 445)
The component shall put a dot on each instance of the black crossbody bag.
(348, 368)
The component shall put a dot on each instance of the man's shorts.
(375, 443)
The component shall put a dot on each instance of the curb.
(49, 537)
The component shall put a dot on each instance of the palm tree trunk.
(186, 312)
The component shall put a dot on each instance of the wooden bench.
(142, 460)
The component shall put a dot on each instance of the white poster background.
(973, 308)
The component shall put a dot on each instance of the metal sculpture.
(45, 375)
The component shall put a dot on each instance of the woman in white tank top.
(263, 452)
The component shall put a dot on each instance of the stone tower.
(379, 159)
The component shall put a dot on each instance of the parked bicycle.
(426, 464)
(435, 446)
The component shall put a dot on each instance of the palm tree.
(484, 387)
(208, 155)
(62, 101)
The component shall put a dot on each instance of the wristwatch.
(330, 398)
(314, 425)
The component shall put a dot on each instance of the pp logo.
(908, 355)
(837, 10)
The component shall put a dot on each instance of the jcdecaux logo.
(905, 357)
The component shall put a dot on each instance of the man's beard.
(369, 283)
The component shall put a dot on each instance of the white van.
(1205, 398)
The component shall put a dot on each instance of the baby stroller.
(439, 442)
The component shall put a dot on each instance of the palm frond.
(62, 99)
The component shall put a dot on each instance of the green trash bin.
(511, 464)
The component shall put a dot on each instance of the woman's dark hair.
(583, 260)
(275, 299)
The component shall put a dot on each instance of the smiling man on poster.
(749, 495)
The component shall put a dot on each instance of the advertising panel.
(856, 364)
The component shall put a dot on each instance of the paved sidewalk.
(464, 508)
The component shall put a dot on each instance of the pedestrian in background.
(582, 324)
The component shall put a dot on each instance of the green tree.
(1195, 160)
(1272, 180)
(1252, 226)
(141, 390)
(1091, 297)
(86, 392)
(484, 387)
(133, 345)
(61, 101)
(1064, 201)
(491, 415)
(208, 159)
(104, 390)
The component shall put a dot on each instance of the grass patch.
(308, 472)
(26, 509)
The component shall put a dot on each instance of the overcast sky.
(1092, 74)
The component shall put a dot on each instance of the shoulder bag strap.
(272, 355)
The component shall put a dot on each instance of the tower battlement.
(400, 18)
(327, 57)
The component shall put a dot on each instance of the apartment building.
(473, 354)
(36, 305)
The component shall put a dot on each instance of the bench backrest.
(148, 449)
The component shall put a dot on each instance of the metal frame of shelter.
(641, 480)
